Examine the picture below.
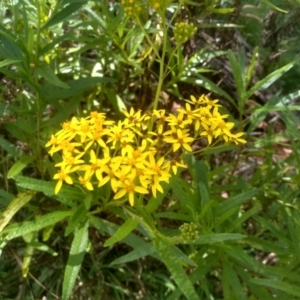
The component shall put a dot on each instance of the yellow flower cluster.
(129, 154)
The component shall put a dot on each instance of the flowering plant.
(130, 155)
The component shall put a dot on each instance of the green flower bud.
(189, 232)
(184, 31)
(132, 7)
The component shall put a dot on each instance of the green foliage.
(227, 226)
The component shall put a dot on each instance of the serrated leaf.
(19, 165)
(76, 256)
(14, 207)
(122, 232)
(48, 74)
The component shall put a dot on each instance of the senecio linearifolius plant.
(138, 153)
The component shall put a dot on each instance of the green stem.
(161, 68)
(36, 81)
(148, 38)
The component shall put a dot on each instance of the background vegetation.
(64, 58)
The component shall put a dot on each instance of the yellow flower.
(208, 132)
(62, 176)
(157, 168)
(133, 118)
(53, 142)
(71, 161)
(221, 127)
(182, 139)
(155, 186)
(175, 163)
(187, 111)
(85, 181)
(119, 134)
(129, 187)
(178, 120)
(236, 138)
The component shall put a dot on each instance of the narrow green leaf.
(246, 215)
(218, 237)
(218, 149)
(202, 183)
(173, 216)
(261, 292)
(220, 10)
(251, 66)
(169, 258)
(104, 226)
(267, 246)
(43, 247)
(233, 202)
(209, 85)
(238, 74)
(278, 285)
(8, 48)
(185, 196)
(137, 253)
(87, 201)
(122, 232)
(78, 216)
(270, 79)
(9, 147)
(76, 256)
(47, 73)
(115, 100)
(19, 229)
(28, 254)
(63, 14)
(50, 92)
(5, 197)
(267, 2)
(231, 277)
(294, 231)
(67, 195)
(19, 165)
(9, 61)
(14, 207)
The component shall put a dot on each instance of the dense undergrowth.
(161, 198)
